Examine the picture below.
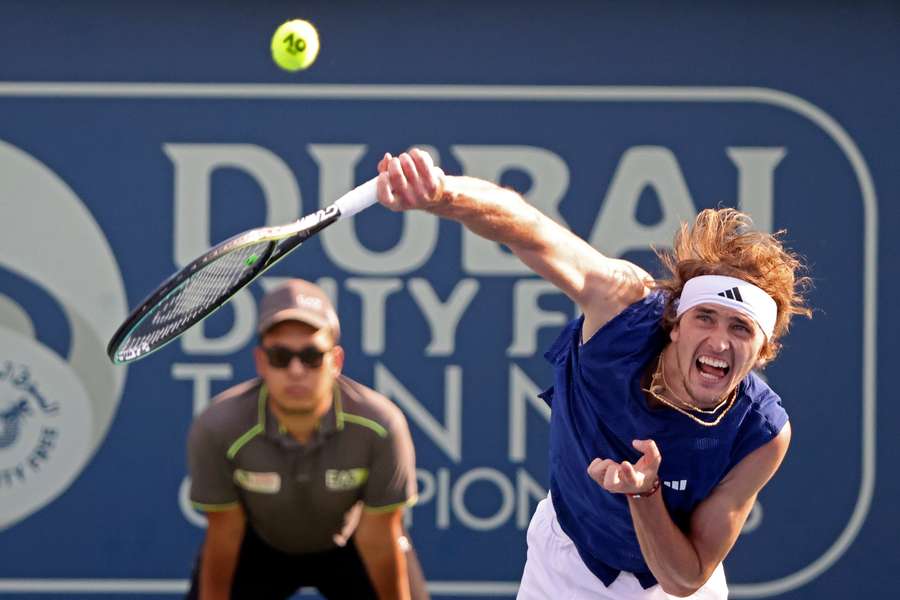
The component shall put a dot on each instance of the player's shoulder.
(233, 410)
(630, 332)
(362, 405)
(763, 402)
(618, 285)
(758, 391)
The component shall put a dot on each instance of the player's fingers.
(413, 177)
(629, 475)
(612, 480)
(422, 159)
(650, 451)
(383, 163)
(597, 469)
(432, 176)
(384, 192)
(399, 185)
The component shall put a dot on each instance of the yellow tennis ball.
(295, 45)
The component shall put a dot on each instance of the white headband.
(732, 293)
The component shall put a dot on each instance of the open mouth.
(712, 369)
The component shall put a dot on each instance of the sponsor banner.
(108, 188)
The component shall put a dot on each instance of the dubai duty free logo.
(24, 403)
(55, 406)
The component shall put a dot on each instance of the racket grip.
(357, 199)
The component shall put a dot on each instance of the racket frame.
(290, 236)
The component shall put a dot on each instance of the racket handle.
(357, 199)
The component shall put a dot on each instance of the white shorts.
(555, 571)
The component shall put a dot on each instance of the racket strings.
(202, 292)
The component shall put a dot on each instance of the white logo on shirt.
(678, 484)
(264, 483)
(338, 480)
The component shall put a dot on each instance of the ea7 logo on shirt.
(264, 483)
(678, 484)
(338, 480)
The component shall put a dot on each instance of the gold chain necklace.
(656, 390)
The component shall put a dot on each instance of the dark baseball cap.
(298, 300)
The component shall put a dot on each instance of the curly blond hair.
(721, 242)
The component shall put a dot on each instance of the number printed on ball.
(294, 45)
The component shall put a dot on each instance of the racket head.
(191, 295)
(199, 289)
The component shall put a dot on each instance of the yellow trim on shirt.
(257, 429)
(374, 426)
(391, 507)
(215, 507)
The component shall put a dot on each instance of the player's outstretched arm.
(378, 539)
(601, 286)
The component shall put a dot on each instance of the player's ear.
(764, 355)
(259, 358)
(673, 333)
(337, 359)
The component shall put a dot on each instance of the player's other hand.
(409, 181)
(625, 478)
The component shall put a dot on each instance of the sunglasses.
(280, 357)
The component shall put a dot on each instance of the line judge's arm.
(213, 491)
(378, 540)
(221, 548)
(601, 286)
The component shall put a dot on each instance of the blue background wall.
(785, 109)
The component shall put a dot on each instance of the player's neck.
(651, 383)
(665, 380)
(671, 378)
(301, 425)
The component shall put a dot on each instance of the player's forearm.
(503, 216)
(668, 552)
(495, 213)
(386, 566)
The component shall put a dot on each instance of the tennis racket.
(199, 289)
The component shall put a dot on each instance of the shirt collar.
(329, 423)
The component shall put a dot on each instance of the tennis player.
(303, 473)
(661, 436)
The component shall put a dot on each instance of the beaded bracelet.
(649, 492)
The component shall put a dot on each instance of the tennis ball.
(295, 45)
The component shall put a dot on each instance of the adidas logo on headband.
(734, 293)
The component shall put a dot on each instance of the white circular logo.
(44, 415)
(54, 410)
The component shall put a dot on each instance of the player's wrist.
(445, 202)
(649, 492)
(438, 196)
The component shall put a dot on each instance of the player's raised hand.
(625, 478)
(410, 181)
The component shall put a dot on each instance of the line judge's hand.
(625, 478)
(409, 181)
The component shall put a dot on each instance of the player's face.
(299, 386)
(715, 348)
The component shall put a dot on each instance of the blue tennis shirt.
(598, 408)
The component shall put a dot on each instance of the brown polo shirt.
(302, 497)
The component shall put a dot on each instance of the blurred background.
(135, 135)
